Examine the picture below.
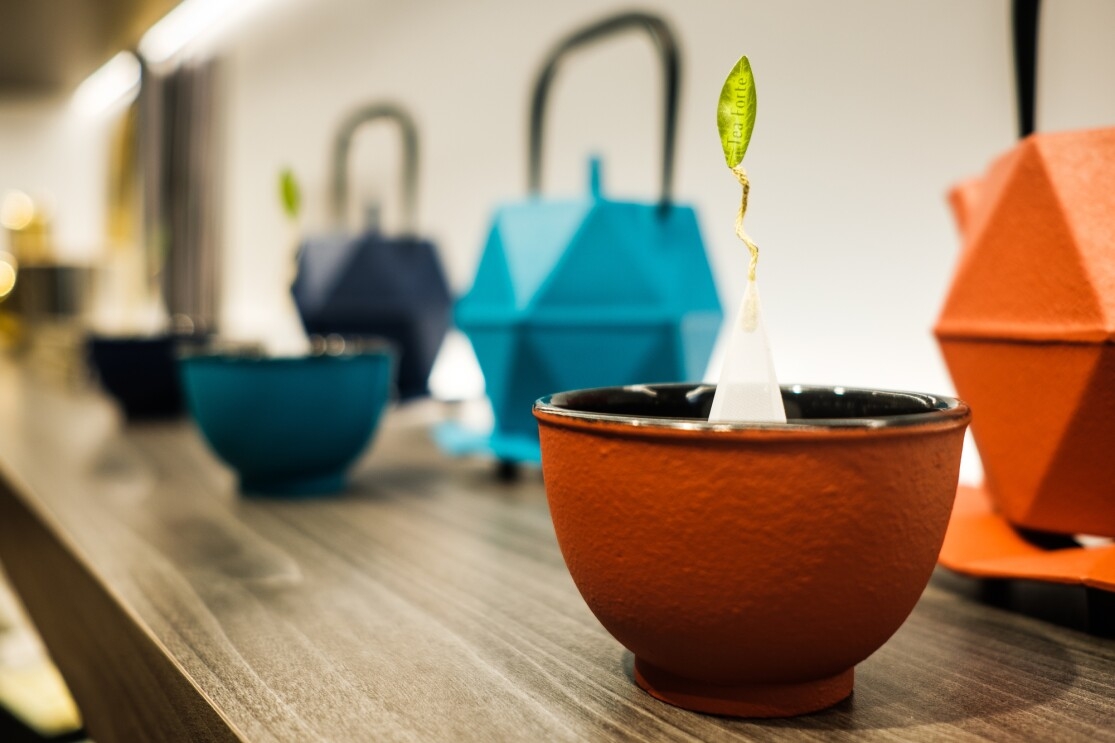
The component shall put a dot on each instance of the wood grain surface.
(428, 603)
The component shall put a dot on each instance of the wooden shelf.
(429, 603)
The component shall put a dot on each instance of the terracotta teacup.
(750, 567)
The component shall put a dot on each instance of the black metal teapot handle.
(342, 145)
(665, 43)
(1025, 15)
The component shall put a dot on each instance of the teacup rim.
(944, 409)
(249, 353)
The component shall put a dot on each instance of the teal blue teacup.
(288, 426)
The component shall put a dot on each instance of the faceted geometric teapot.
(1028, 327)
(592, 291)
(370, 284)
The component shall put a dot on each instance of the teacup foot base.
(751, 700)
(320, 485)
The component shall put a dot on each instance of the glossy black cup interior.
(808, 405)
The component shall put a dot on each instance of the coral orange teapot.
(1028, 333)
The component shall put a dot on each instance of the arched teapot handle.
(665, 43)
(1025, 15)
(342, 144)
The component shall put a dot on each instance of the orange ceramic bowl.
(750, 567)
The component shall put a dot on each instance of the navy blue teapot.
(371, 284)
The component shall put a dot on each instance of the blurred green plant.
(290, 193)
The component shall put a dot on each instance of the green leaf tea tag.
(748, 387)
(735, 114)
(290, 193)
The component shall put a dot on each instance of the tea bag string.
(745, 184)
(751, 302)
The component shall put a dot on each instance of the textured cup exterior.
(750, 556)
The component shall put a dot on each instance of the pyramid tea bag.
(748, 388)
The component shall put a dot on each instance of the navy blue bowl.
(288, 425)
(139, 373)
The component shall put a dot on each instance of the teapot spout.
(963, 198)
